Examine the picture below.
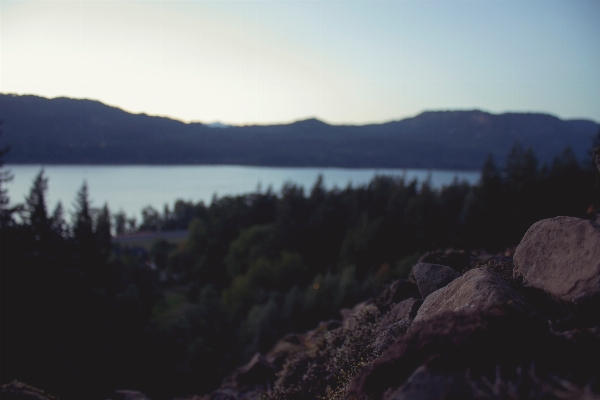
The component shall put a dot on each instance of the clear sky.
(342, 61)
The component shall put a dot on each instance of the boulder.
(129, 395)
(478, 289)
(456, 342)
(395, 323)
(561, 256)
(395, 293)
(426, 384)
(431, 277)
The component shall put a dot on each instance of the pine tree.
(35, 206)
(491, 178)
(103, 227)
(83, 226)
(5, 177)
(521, 168)
(57, 221)
(120, 221)
(595, 156)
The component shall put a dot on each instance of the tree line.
(82, 316)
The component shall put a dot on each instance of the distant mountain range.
(69, 131)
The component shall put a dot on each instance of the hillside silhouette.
(70, 131)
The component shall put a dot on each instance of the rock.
(454, 342)
(395, 293)
(478, 289)
(426, 384)
(458, 260)
(20, 391)
(129, 395)
(224, 394)
(501, 265)
(404, 311)
(257, 372)
(431, 277)
(395, 323)
(561, 256)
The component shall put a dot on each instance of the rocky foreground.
(517, 327)
(461, 327)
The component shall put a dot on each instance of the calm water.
(131, 188)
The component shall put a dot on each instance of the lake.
(130, 188)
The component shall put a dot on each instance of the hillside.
(69, 131)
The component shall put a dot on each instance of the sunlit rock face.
(477, 290)
(561, 256)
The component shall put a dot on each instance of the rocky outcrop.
(455, 345)
(431, 277)
(561, 256)
(477, 290)
(480, 333)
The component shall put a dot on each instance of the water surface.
(131, 188)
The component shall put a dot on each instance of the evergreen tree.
(5, 177)
(491, 178)
(151, 220)
(103, 227)
(521, 168)
(120, 221)
(83, 226)
(595, 153)
(594, 165)
(35, 205)
(57, 221)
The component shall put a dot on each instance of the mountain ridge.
(72, 131)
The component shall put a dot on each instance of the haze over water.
(131, 188)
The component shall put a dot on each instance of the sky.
(341, 61)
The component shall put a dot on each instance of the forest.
(82, 316)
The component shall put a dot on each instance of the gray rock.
(395, 323)
(561, 256)
(129, 395)
(452, 342)
(425, 384)
(478, 289)
(431, 277)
